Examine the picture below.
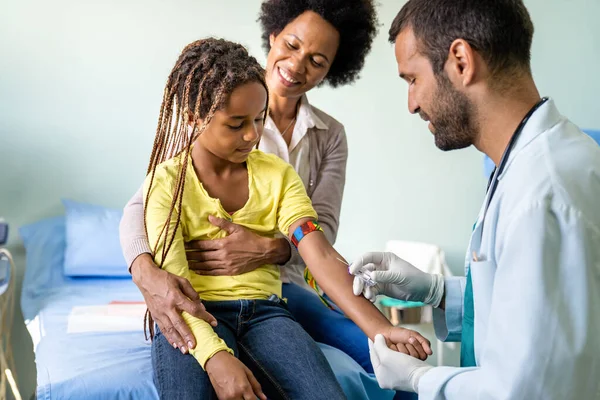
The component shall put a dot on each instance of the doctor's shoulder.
(574, 172)
(556, 173)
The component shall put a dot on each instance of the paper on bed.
(114, 317)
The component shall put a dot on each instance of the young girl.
(203, 164)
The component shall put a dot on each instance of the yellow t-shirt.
(277, 199)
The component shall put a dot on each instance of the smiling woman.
(352, 25)
(301, 55)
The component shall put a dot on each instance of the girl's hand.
(408, 342)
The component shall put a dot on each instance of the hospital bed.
(105, 365)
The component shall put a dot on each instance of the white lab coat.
(536, 284)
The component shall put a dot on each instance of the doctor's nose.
(413, 106)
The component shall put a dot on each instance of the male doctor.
(528, 312)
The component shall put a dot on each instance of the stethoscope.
(494, 176)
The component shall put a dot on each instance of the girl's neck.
(207, 163)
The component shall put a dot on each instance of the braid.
(200, 83)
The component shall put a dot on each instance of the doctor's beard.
(453, 117)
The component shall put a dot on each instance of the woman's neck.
(283, 109)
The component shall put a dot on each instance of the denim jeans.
(327, 326)
(331, 327)
(266, 338)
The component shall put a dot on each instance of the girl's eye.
(236, 128)
(291, 46)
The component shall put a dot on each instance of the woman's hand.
(408, 342)
(241, 251)
(231, 379)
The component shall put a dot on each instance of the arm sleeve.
(542, 340)
(448, 322)
(159, 204)
(294, 203)
(329, 190)
(131, 229)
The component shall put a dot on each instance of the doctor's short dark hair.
(355, 20)
(501, 31)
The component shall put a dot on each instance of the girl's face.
(236, 128)
(301, 55)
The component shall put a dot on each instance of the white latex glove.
(395, 370)
(395, 278)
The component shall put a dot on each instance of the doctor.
(528, 312)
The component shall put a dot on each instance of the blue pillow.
(44, 243)
(593, 134)
(93, 247)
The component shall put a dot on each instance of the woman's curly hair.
(355, 20)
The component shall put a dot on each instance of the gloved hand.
(395, 370)
(395, 278)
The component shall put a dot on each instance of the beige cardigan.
(328, 153)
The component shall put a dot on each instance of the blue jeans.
(327, 326)
(331, 327)
(266, 338)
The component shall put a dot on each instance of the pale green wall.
(81, 83)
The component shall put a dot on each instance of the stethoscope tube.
(493, 182)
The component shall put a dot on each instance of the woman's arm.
(131, 229)
(239, 252)
(326, 197)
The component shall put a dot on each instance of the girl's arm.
(332, 275)
(175, 262)
(326, 196)
(324, 263)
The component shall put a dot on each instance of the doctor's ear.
(462, 63)
(272, 38)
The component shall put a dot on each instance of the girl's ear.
(190, 118)
(193, 125)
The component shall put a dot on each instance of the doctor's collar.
(543, 119)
